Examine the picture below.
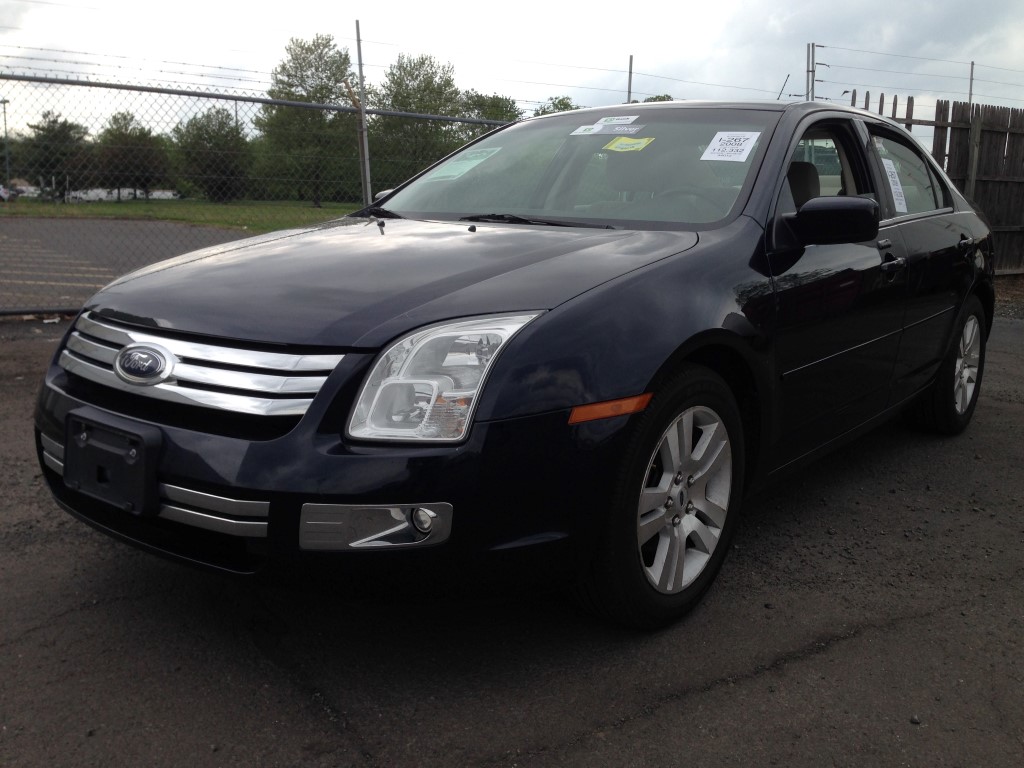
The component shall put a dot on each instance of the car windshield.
(644, 169)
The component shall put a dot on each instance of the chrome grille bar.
(210, 375)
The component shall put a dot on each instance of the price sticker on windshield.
(731, 146)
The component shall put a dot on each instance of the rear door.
(936, 242)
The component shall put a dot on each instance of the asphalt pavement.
(55, 264)
(870, 614)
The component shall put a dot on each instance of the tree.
(493, 107)
(483, 107)
(556, 104)
(214, 154)
(310, 153)
(130, 155)
(57, 153)
(402, 146)
(660, 97)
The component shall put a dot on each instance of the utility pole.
(7, 151)
(808, 74)
(629, 86)
(364, 144)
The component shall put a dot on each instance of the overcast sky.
(533, 50)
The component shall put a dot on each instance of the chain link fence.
(102, 178)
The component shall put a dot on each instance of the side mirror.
(382, 194)
(824, 220)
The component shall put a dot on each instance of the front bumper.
(238, 502)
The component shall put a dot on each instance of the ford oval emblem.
(143, 364)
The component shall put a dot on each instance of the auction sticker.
(732, 146)
(619, 120)
(895, 185)
(467, 161)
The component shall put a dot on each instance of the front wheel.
(675, 507)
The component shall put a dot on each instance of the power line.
(696, 82)
(897, 55)
(896, 72)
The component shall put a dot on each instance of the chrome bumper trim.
(362, 526)
(235, 517)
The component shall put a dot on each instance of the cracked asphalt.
(871, 613)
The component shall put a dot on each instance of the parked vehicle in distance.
(584, 338)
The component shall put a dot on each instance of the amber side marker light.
(609, 408)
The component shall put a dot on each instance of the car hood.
(359, 283)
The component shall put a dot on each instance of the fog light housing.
(423, 520)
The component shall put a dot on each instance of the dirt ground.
(870, 613)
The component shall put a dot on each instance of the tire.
(675, 507)
(948, 404)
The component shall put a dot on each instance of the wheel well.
(730, 365)
(987, 296)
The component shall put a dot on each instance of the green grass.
(254, 217)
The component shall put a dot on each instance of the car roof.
(797, 106)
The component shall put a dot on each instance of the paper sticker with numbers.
(898, 197)
(732, 146)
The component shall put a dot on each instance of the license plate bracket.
(112, 460)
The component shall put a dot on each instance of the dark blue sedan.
(583, 339)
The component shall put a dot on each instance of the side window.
(822, 166)
(914, 185)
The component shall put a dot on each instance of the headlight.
(425, 386)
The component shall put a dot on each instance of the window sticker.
(624, 144)
(732, 146)
(464, 163)
(894, 184)
(620, 129)
(590, 130)
(619, 120)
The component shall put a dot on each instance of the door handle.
(894, 265)
(884, 244)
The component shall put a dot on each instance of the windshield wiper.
(379, 212)
(511, 218)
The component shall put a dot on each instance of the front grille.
(225, 378)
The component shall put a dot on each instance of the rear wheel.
(948, 404)
(675, 507)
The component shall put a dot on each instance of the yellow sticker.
(626, 144)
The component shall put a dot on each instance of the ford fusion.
(583, 339)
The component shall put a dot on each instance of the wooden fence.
(981, 148)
